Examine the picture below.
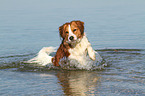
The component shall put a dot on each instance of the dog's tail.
(43, 57)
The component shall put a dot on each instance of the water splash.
(88, 64)
(16, 61)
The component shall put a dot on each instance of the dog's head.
(72, 32)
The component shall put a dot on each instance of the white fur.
(71, 34)
(80, 51)
(43, 57)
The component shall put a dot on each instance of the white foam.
(88, 64)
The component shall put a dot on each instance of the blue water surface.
(28, 25)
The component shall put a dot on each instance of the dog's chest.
(80, 49)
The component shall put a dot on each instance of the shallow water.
(124, 75)
(115, 30)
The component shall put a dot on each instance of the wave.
(12, 56)
(117, 50)
(100, 50)
(17, 61)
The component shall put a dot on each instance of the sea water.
(116, 30)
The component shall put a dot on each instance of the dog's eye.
(66, 32)
(74, 30)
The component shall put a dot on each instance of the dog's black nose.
(71, 38)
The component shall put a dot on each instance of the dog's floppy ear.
(61, 29)
(80, 24)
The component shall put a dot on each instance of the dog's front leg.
(91, 53)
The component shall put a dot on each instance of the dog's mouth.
(73, 43)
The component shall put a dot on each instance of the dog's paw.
(92, 56)
(91, 53)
